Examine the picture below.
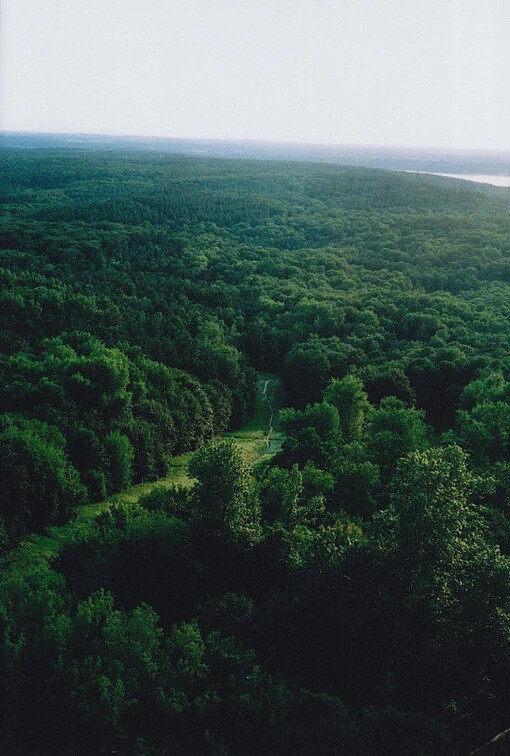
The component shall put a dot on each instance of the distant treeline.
(466, 161)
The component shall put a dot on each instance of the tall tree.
(351, 401)
(225, 492)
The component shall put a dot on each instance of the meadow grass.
(253, 438)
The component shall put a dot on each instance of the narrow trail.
(270, 428)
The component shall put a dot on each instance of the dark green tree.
(225, 497)
(348, 396)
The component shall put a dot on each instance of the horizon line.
(272, 142)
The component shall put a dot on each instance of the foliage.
(226, 504)
(350, 595)
(39, 485)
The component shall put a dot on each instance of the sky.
(410, 73)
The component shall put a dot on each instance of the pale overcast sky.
(384, 72)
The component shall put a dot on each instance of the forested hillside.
(350, 595)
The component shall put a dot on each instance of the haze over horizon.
(323, 72)
(361, 147)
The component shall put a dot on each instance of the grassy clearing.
(177, 476)
(254, 439)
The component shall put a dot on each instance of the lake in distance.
(479, 178)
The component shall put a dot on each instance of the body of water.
(480, 178)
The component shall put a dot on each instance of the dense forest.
(349, 595)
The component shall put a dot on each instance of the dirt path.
(270, 426)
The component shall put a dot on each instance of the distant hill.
(392, 158)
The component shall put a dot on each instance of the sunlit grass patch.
(253, 439)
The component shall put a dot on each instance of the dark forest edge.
(348, 595)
